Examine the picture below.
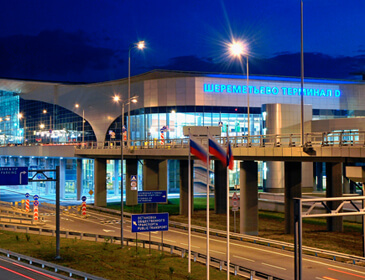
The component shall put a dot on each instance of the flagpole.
(228, 254)
(208, 255)
(189, 210)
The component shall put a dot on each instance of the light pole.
(301, 74)
(239, 49)
(140, 45)
(122, 103)
(83, 123)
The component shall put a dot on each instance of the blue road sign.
(27, 195)
(133, 177)
(13, 176)
(150, 222)
(36, 203)
(36, 197)
(152, 196)
(83, 198)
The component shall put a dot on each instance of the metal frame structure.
(299, 215)
(57, 180)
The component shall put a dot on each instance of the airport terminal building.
(49, 114)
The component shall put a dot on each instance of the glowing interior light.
(140, 45)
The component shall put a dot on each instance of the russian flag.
(216, 150)
(230, 157)
(198, 150)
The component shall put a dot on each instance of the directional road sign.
(134, 182)
(35, 197)
(13, 176)
(83, 198)
(150, 222)
(152, 196)
(27, 195)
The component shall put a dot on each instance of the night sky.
(88, 40)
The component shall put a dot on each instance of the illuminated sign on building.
(286, 91)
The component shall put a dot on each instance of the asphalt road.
(279, 263)
(13, 270)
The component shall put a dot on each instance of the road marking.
(329, 278)
(108, 230)
(173, 241)
(331, 265)
(191, 245)
(274, 266)
(239, 257)
(223, 253)
(352, 274)
(319, 278)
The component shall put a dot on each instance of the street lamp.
(239, 49)
(140, 45)
(122, 103)
(83, 123)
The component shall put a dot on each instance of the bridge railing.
(340, 138)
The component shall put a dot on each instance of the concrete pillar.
(116, 181)
(62, 178)
(249, 198)
(79, 186)
(154, 178)
(307, 177)
(184, 187)
(220, 188)
(100, 182)
(131, 169)
(275, 177)
(293, 189)
(334, 189)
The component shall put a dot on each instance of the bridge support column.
(334, 189)
(131, 169)
(319, 175)
(184, 187)
(293, 188)
(154, 178)
(100, 182)
(78, 179)
(220, 188)
(249, 198)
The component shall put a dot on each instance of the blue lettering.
(268, 90)
(337, 93)
(256, 90)
(295, 91)
(208, 88)
(284, 90)
(229, 88)
(223, 88)
(309, 92)
(250, 89)
(236, 89)
(262, 90)
(322, 93)
(316, 92)
(216, 88)
(244, 89)
(290, 91)
(275, 90)
(329, 92)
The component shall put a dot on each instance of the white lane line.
(191, 245)
(336, 266)
(274, 266)
(242, 258)
(223, 253)
(173, 241)
(319, 278)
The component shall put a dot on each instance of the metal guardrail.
(340, 138)
(336, 256)
(218, 263)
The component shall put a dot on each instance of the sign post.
(35, 207)
(27, 202)
(83, 211)
(152, 196)
(235, 202)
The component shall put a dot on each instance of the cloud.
(52, 54)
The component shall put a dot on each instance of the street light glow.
(20, 116)
(116, 98)
(141, 45)
(237, 48)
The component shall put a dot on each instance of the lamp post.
(83, 123)
(301, 74)
(239, 49)
(123, 103)
(140, 45)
